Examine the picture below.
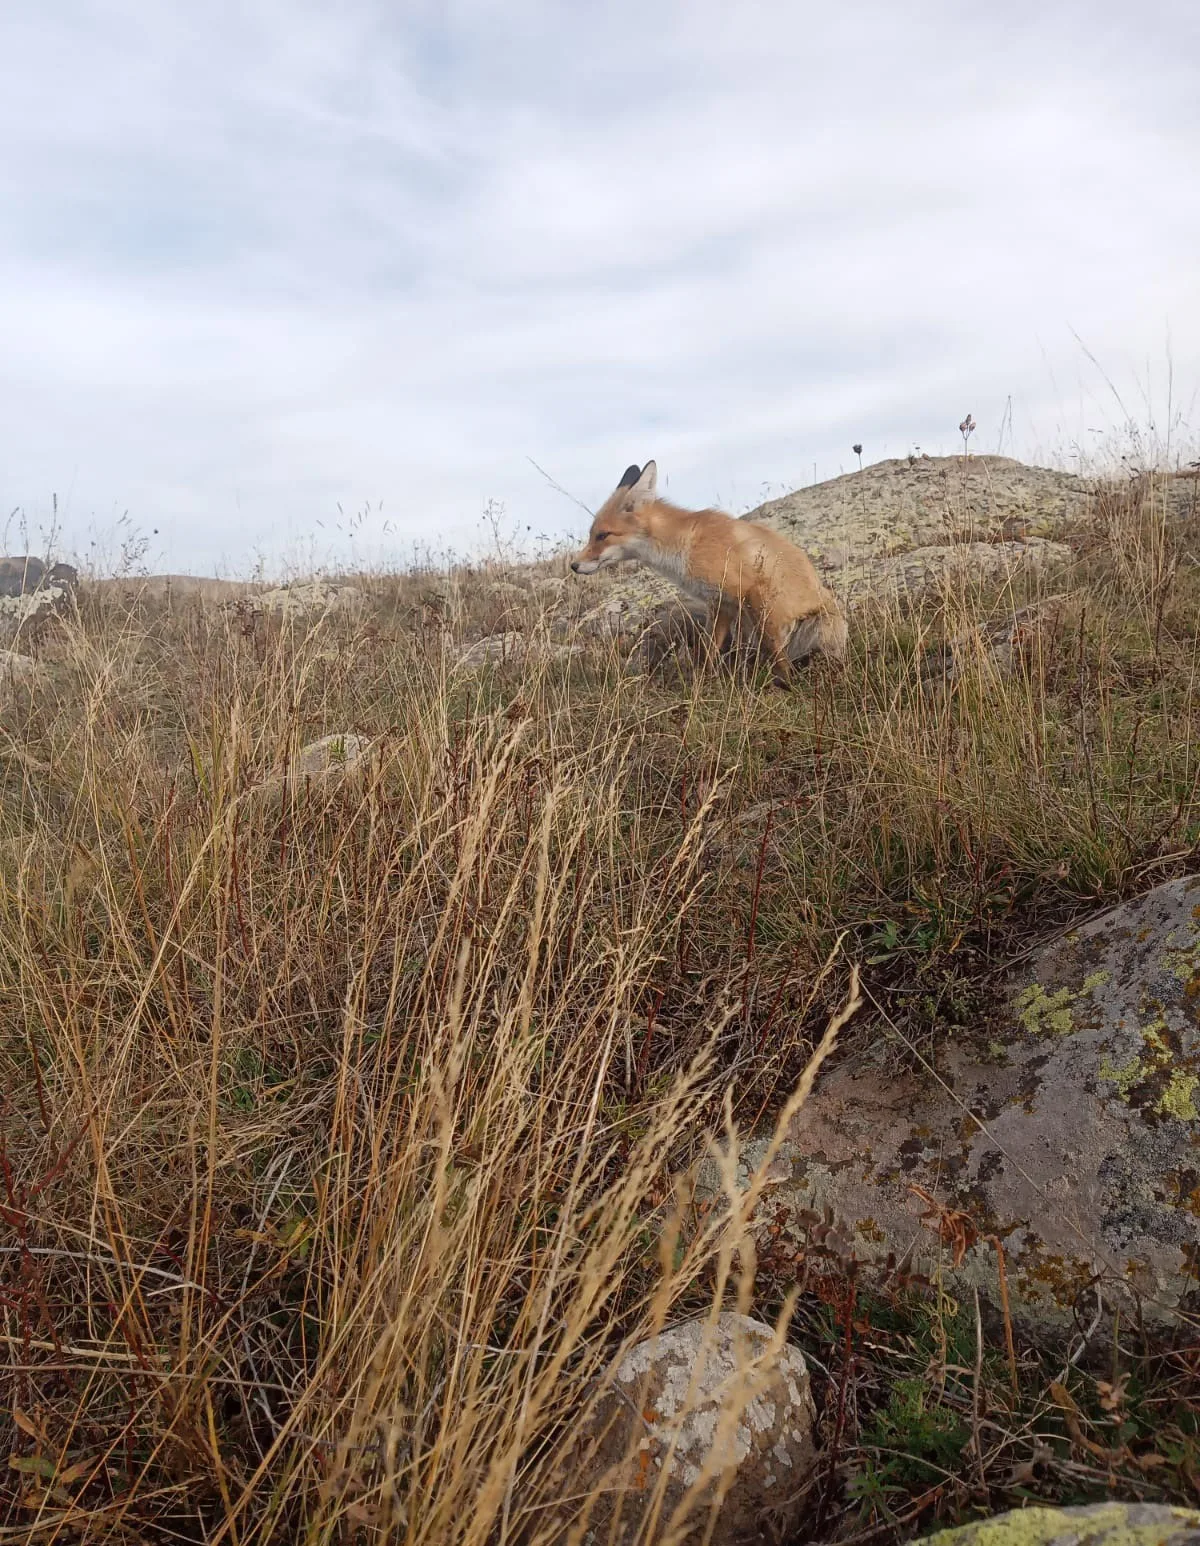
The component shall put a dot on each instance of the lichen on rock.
(1075, 1156)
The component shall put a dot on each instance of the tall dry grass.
(346, 1120)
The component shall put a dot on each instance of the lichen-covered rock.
(17, 668)
(1101, 1524)
(27, 614)
(705, 1418)
(332, 759)
(1001, 642)
(511, 646)
(930, 568)
(22, 574)
(336, 752)
(906, 503)
(1067, 1135)
(308, 598)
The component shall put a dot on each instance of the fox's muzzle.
(585, 565)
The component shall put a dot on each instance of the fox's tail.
(820, 633)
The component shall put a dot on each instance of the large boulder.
(708, 1418)
(22, 574)
(1064, 1138)
(511, 646)
(309, 599)
(929, 569)
(1100, 1524)
(31, 593)
(909, 525)
(906, 503)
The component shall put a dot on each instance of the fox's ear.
(630, 476)
(643, 488)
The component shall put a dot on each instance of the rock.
(495, 649)
(308, 598)
(333, 758)
(1068, 1132)
(27, 614)
(734, 1411)
(899, 505)
(507, 590)
(1001, 643)
(618, 606)
(23, 574)
(510, 647)
(336, 753)
(930, 568)
(1099, 1524)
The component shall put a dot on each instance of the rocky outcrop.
(906, 503)
(1064, 1142)
(508, 648)
(909, 525)
(31, 593)
(708, 1422)
(932, 568)
(22, 574)
(308, 599)
(1101, 1524)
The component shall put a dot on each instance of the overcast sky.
(259, 259)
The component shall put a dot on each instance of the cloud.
(262, 259)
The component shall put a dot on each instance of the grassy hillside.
(344, 1118)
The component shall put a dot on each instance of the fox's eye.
(603, 536)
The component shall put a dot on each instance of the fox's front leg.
(777, 636)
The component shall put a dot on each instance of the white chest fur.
(672, 565)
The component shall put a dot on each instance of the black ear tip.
(630, 476)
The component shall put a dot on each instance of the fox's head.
(618, 523)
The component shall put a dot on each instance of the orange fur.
(728, 564)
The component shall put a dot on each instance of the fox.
(729, 566)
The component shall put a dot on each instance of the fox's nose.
(575, 565)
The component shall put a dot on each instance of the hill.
(413, 1024)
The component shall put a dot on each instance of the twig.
(558, 488)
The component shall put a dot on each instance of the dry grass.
(345, 1120)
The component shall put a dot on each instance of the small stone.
(708, 1401)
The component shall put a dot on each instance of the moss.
(1178, 1099)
